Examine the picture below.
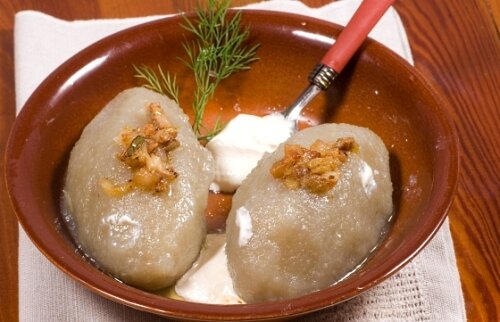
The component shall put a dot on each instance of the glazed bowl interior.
(377, 90)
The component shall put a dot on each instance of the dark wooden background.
(456, 46)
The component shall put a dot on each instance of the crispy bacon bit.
(146, 151)
(315, 169)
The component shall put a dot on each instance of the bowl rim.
(198, 311)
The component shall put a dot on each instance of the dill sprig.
(163, 84)
(218, 126)
(218, 51)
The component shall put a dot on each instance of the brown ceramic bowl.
(377, 90)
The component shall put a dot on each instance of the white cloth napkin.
(427, 289)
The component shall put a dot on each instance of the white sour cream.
(208, 280)
(242, 143)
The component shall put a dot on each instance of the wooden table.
(456, 46)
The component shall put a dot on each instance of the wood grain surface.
(456, 46)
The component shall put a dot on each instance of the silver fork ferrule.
(320, 79)
(322, 76)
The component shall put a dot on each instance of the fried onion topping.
(315, 169)
(146, 151)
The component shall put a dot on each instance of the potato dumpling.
(285, 241)
(145, 237)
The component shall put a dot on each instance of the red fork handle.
(356, 31)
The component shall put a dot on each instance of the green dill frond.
(217, 52)
(218, 126)
(163, 84)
